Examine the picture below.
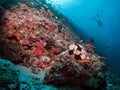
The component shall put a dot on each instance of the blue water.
(86, 14)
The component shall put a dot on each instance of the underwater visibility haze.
(59, 45)
(99, 20)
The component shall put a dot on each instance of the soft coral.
(39, 49)
(32, 24)
(90, 47)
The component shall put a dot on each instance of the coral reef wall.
(39, 51)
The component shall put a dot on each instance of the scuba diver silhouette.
(98, 20)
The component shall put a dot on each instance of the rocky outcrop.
(65, 72)
(9, 76)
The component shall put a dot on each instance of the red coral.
(38, 52)
(40, 45)
(55, 50)
(48, 65)
(39, 64)
(52, 56)
(32, 24)
(51, 28)
(90, 47)
(84, 59)
(39, 49)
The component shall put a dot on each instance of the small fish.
(42, 8)
(32, 3)
(40, 3)
(45, 6)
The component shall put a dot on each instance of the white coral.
(45, 59)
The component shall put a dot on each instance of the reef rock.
(66, 72)
(9, 76)
(63, 71)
